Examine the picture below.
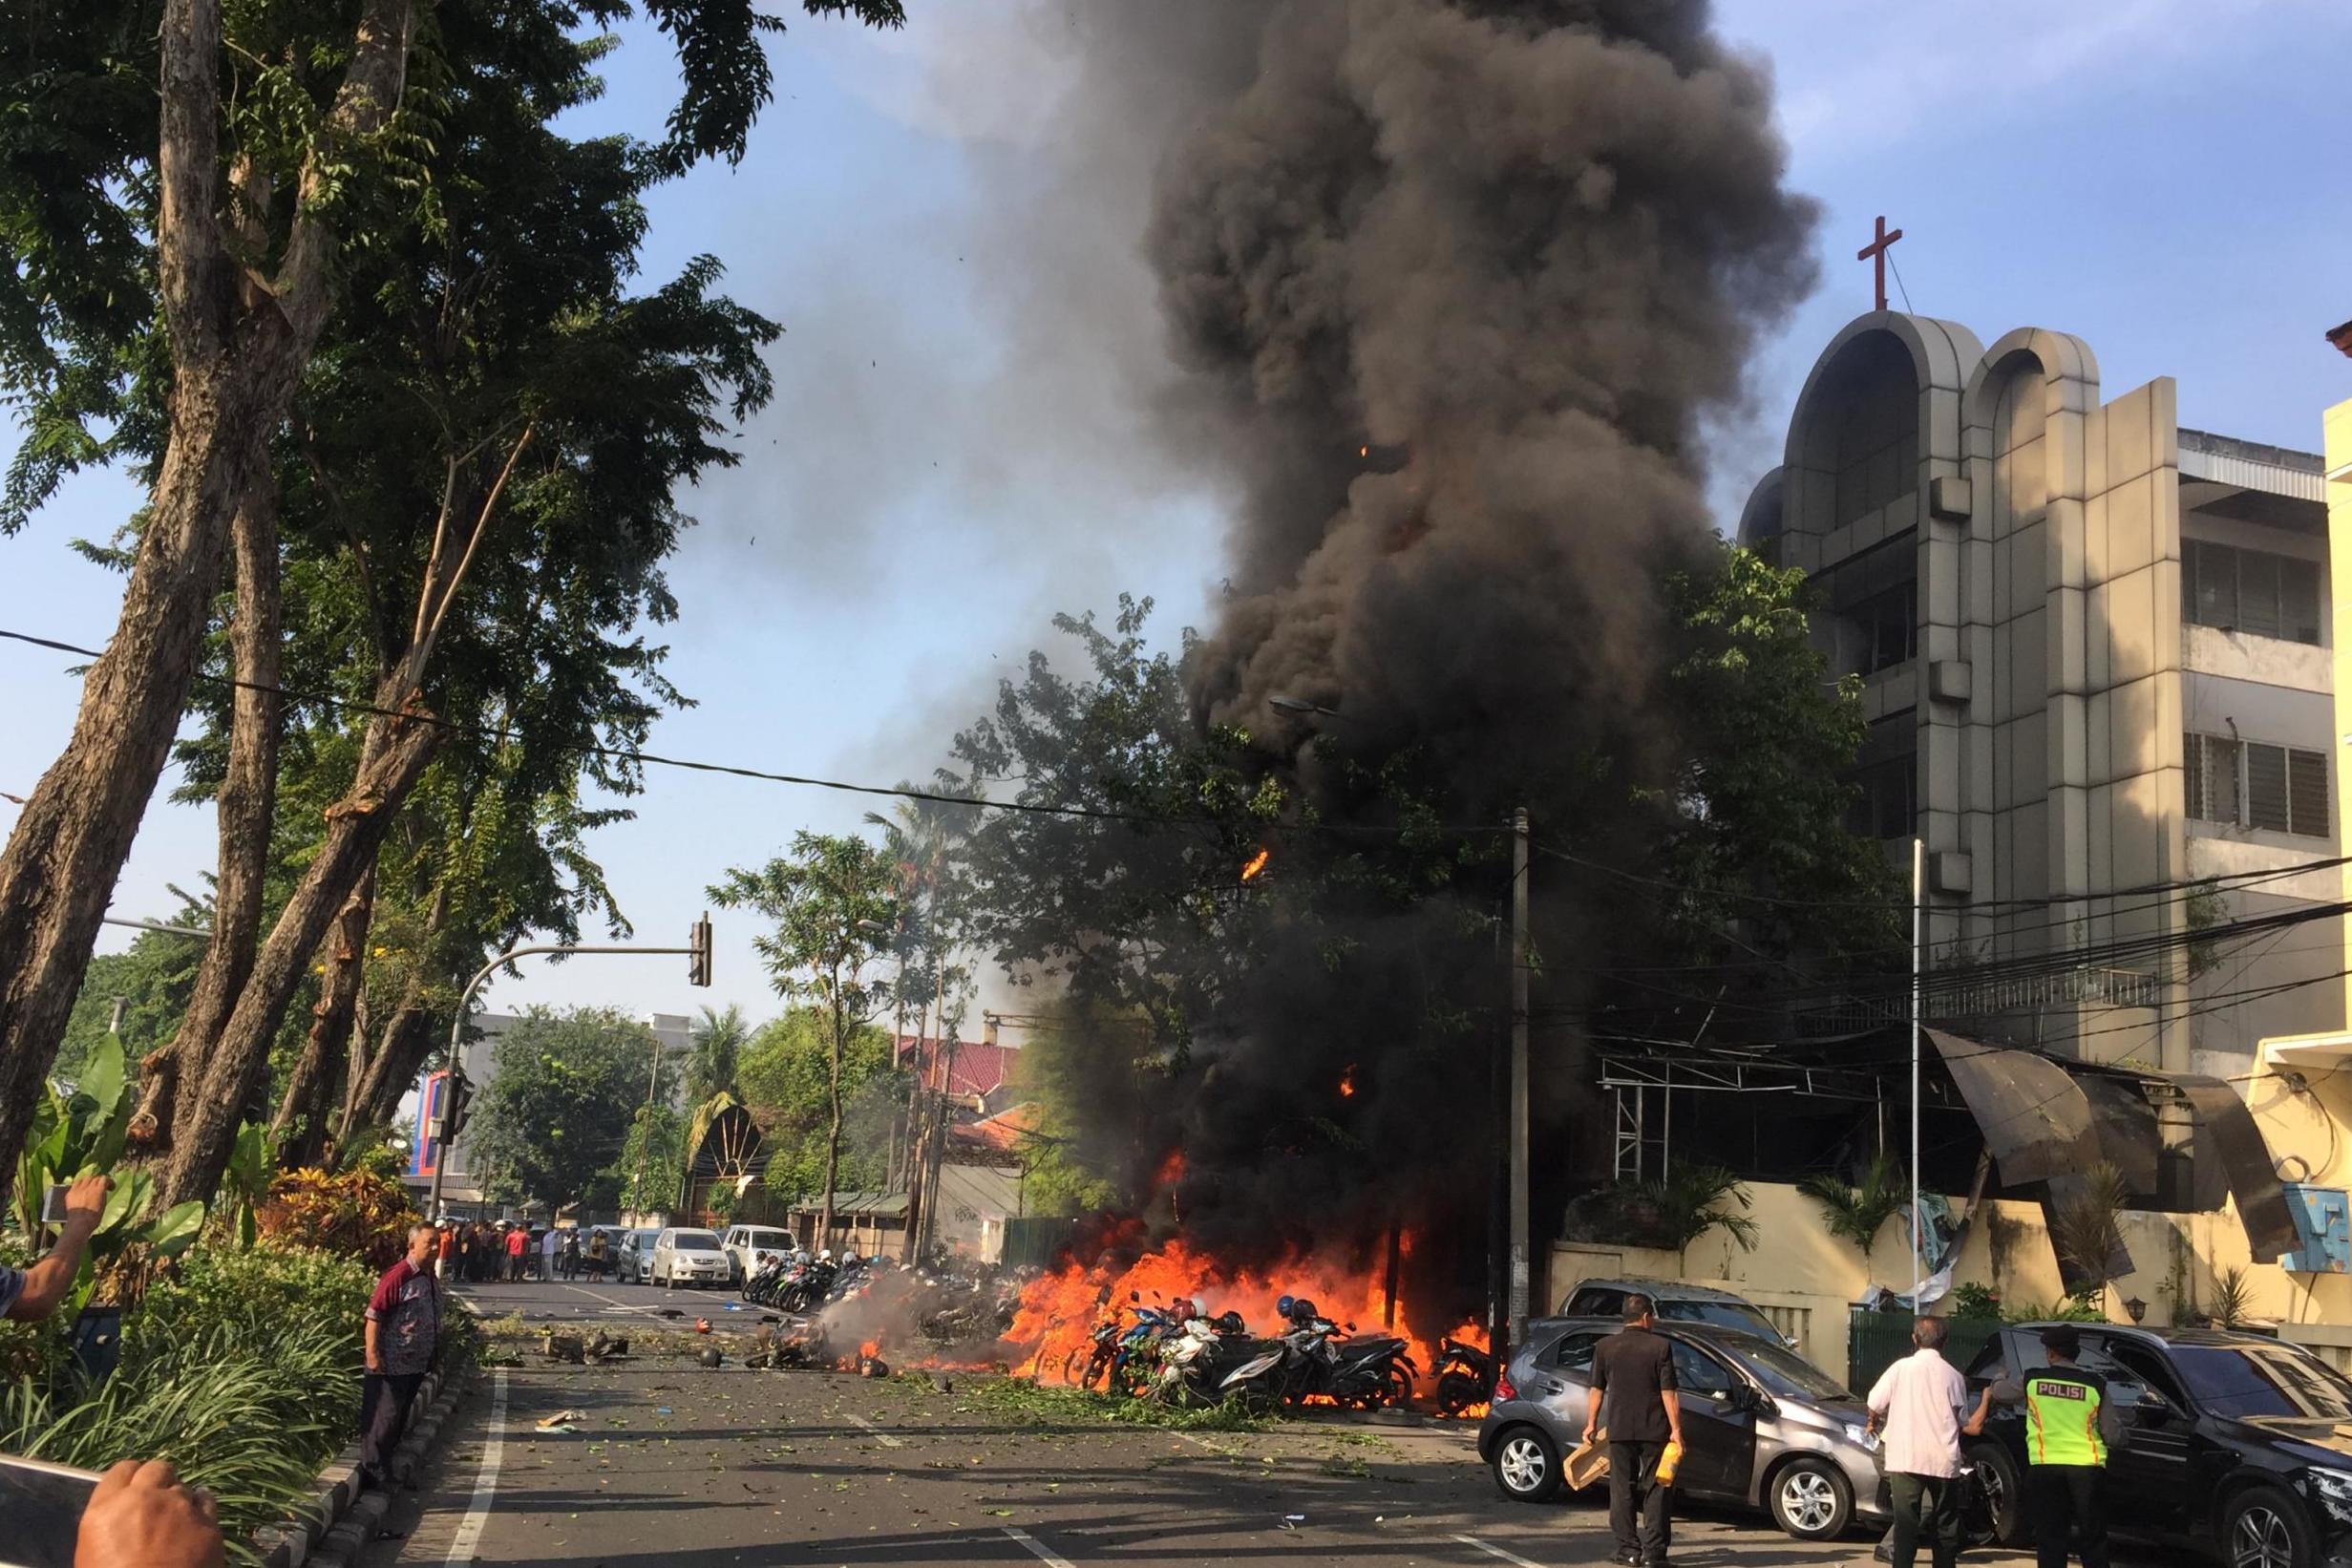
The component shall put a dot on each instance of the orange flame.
(1363, 451)
(1257, 864)
(1347, 1082)
(1049, 1338)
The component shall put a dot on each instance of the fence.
(1876, 1341)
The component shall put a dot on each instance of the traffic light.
(459, 1094)
(698, 953)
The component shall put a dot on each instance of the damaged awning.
(2047, 1122)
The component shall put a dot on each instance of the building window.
(1885, 629)
(2249, 591)
(2251, 784)
(1886, 804)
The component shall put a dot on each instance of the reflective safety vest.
(2062, 1419)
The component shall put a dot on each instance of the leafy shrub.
(358, 1213)
(243, 1371)
(1975, 1301)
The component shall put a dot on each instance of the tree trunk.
(832, 1129)
(245, 807)
(409, 1041)
(207, 1106)
(300, 1128)
(238, 344)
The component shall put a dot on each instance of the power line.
(621, 754)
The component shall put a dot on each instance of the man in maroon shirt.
(403, 1331)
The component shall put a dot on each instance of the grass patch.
(1347, 1466)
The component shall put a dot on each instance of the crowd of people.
(488, 1252)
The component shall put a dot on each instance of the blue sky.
(955, 450)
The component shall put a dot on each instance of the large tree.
(789, 1088)
(564, 1089)
(834, 904)
(268, 150)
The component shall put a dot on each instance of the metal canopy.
(2035, 1119)
(2227, 1131)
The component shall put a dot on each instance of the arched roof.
(1943, 353)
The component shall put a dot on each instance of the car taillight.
(1503, 1389)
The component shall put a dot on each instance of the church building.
(2096, 649)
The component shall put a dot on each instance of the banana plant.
(250, 1170)
(80, 1133)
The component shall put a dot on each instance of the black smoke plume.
(1454, 288)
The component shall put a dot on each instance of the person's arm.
(2007, 1390)
(140, 1517)
(1670, 1387)
(1881, 1399)
(47, 1282)
(386, 1297)
(1592, 1411)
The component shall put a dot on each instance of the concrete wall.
(1807, 1279)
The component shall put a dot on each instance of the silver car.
(1762, 1426)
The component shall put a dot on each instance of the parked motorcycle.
(1465, 1376)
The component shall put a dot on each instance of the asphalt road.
(676, 1465)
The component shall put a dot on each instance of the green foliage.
(2083, 1306)
(351, 1213)
(1668, 1213)
(1141, 910)
(1761, 798)
(155, 977)
(833, 902)
(240, 1371)
(785, 1073)
(651, 1171)
(1856, 1215)
(2233, 1298)
(82, 1133)
(2085, 1226)
(1015, 1399)
(1971, 1299)
(564, 1087)
(1089, 1096)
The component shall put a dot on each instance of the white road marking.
(466, 1544)
(613, 1305)
(888, 1441)
(1039, 1550)
(1494, 1551)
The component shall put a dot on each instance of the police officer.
(2070, 1425)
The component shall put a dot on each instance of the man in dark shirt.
(1633, 1403)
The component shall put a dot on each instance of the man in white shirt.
(1916, 1407)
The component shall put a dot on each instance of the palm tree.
(718, 1042)
(1857, 1213)
(1691, 1200)
(2087, 1225)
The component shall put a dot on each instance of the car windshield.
(1786, 1374)
(2254, 1380)
(1722, 1314)
(695, 1242)
(766, 1239)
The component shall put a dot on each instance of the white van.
(747, 1246)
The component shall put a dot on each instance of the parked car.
(688, 1258)
(1762, 1426)
(634, 1262)
(2235, 1444)
(1676, 1302)
(747, 1246)
(42, 1504)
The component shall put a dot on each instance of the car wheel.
(1997, 1513)
(2265, 1528)
(1526, 1466)
(1810, 1499)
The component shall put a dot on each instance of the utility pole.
(1918, 909)
(1521, 956)
(436, 1132)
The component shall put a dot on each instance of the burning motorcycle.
(1465, 1376)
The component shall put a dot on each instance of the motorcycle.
(1465, 1376)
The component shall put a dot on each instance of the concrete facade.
(2097, 656)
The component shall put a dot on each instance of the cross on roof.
(1876, 253)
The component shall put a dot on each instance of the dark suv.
(2236, 1443)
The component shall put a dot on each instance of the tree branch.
(364, 104)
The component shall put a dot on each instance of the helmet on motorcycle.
(1301, 1309)
(824, 1255)
(1282, 1308)
(1231, 1323)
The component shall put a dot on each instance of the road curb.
(341, 1517)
